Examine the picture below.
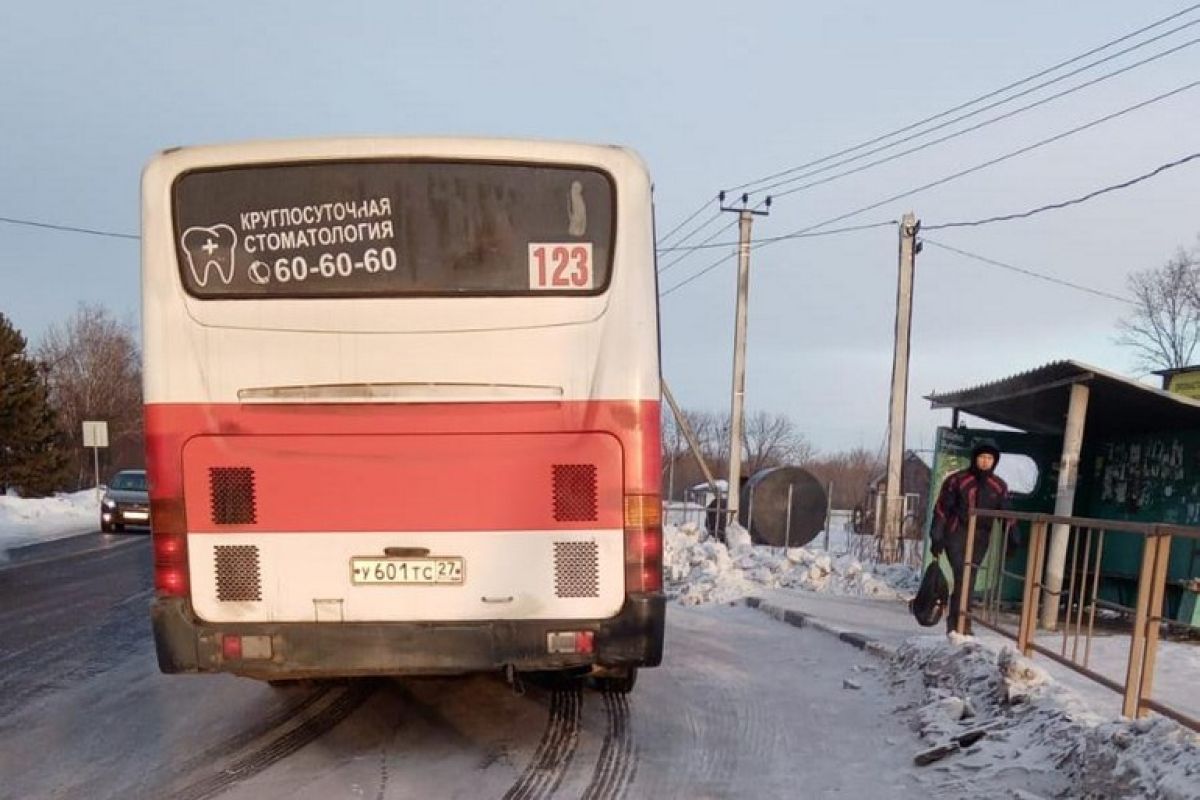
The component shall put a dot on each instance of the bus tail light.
(231, 647)
(643, 543)
(235, 647)
(571, 642)
(168, 527)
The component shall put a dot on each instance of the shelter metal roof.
(1037, 400)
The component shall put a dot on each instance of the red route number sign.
(557, 267)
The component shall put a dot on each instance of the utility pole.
(745, 220)
(893, 519)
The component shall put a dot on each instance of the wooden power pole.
(893, 506)
(737, 403)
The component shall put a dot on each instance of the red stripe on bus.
(461, 466)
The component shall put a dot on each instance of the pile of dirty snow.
(699, 569)
(1035, 729)
(36, 519)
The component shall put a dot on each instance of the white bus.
(402, 408)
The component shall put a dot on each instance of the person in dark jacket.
(975, 488)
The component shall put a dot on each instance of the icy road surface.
(743, 707)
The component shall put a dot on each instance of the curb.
(799, 619)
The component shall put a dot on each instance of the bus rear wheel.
(618, 681)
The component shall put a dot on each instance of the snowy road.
(743, 707)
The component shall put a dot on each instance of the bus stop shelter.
(1139, 446)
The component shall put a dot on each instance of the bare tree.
(95, 373)
(768, 440)
(680, 470)
(850, 472)
(772, 440)
(1164, 327)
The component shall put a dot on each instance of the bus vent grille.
(238, 579)
(575, 493)
(576, 569)
(232, 495)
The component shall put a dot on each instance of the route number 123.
(561, 267)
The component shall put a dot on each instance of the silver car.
(126, 501)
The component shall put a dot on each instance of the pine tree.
(33, 454)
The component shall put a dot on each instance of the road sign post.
(95, 436)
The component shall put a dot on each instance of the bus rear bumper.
(184, 643)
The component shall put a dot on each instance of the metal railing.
(1077, 600)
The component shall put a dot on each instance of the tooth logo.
(208, 249)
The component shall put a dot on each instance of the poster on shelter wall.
(1146, 478)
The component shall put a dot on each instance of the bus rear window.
(393, 228)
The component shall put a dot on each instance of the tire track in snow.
(314, 719)
(616, 767)
(554, 752)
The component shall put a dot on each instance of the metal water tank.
(785, 507)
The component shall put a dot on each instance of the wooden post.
(1154, 621)
(1029, 600)
(1137, 645)
(964, 591)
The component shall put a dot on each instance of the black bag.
(932, 598)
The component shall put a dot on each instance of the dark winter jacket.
(963, 491)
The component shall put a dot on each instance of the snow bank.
(1038, 730)
(29, 520)
(703, 570)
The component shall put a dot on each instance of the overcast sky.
(711, 94)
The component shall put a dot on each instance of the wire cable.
(956, 134)
(697, 276)
(799, 233)
(1029, 272)
(690, 217)
(772, 239)
(969, 103)
(1002, 158)
(67, 228)
(1067, 203)
(766, 239)
(663, 270)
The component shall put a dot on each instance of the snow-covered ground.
(1053, 736)
(29, 520)
(1038, 731)
(700, 569)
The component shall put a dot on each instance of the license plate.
(419, 571)
(136, 515)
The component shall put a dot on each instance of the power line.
(948, 178)
(970, 129)
(67, 228)
(969, 103)
(1005, 157)
(698, 275)
(772, 240)
(667, 267)
(690, 217)
(946, 113)
(1029, 272)
(768, 239)
(1066, 203)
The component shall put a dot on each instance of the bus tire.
(619, 682)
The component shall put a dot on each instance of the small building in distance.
(915, 477)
